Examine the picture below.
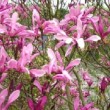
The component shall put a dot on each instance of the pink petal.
(90, 10)
(12, 64)
(5, 2)
(69, 50)
(68, 40)
(59, 58)
(4, 75)
(2, 29)
(63, 77)
(51, 64)
(34, 56)
(41, 103)
(93, 38)
(35, 16)
(51, 54)
(61, 36)
(104, 84)
(76, 103)
(67, 75)
(27, 50)
(44, 100)
(13, 96)
(53, 60)
(107, 32)
(37, 84)
(59, 77)
(81, 43)
(75, 11)
(3, 95)
(60, 44)
(31, 104)
(79, 27)
(95, 19)
(14, 17)
(73, 63)
(19, 86)
(88, 106)
(95, 25)
(37, 72)
(3, 56)
(26, 55)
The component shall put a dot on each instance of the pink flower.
(88, 106)
(41, 103)
(104, 83)
(13, 96)
(56, 65)
(87, 77)
(99, 28)
(25, 58)
(31, 104)
(73, 63)
(64, 76)
(51, 27)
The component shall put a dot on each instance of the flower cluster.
(45, 73)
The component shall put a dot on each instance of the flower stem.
(79, 87)
(69, 98)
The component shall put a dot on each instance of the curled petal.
(63, 77)
(94, 38)
(37, 72)
(73, 63)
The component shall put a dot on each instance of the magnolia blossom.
(50, 76)
(104, 83)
